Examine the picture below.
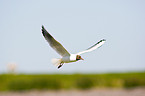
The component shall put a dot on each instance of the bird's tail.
(56, 61)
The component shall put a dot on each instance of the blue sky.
(77, 24)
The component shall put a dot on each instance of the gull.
(66, 56)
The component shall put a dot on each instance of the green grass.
(9, 82)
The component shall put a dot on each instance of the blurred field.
(11, 82)
(92, 92)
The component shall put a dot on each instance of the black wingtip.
(43, 30)
(97, 43)
(45, 33)
(103, 40)
(42, 27)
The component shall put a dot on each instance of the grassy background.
(21, 82)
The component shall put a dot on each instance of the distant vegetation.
(9, 82)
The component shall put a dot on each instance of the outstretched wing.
(95, 46)
(54, 44)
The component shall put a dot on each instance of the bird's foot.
(60, 66)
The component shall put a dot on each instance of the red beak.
(82, 59)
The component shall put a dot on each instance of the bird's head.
(78, 57)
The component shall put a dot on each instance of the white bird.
(66, 56)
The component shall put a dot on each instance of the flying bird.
(66, 56)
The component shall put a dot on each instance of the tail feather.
(56, 61)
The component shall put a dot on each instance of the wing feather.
(54, 44)
(95, 46)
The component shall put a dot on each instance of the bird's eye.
(78, 57)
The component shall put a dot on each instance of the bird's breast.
(68, 59)
(73, 57)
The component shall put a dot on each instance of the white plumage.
(66, 56)
(97, 45)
